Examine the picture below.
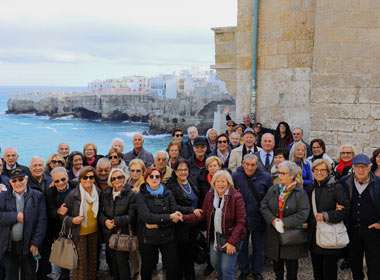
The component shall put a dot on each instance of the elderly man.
(198, 160)
(253, 183)
(298, 137)
(118, 145)
(138, 151)
(64, 150)
(187, 151)
(234, 138)
(266, 155)
(102, 170)
(38, 180)
(10, 158)
(22, 227)
(248, 147)
(161, 159)
(363, 190)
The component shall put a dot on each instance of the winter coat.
(327, 195)
(233, 217)
(40, 186)
(253, 190)
(144, 155)
(156, 210)
(122, 210)
(296, 212)
(6, 172)
(236, 157)
(35, 221)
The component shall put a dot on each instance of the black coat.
(7, 172)
(156, 210)
(185, 231)
(327, 195)
(122, 210)
(40, 186)
(34, 220)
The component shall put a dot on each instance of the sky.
(71, 42)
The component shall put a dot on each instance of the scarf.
(222, 156)
(91, 161)
(218, 214)
(115, 194)
(88, 198)
(283, 196)
(342, 165)
(317, 157)
(159, 191)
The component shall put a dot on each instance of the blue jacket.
(253, 188)
(144, 155)
(307, 176)
(35, 220)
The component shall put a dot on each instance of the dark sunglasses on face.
(154, 177)
(19, 179)
(91, 177)
(135, 170)
(113, 157)
(222, 141)
(121, 177)
(56, 162)
(63, 179)
(178, 135)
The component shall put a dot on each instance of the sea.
(35, 135)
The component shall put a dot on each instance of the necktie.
(267, 162)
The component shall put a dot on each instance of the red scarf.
(209, 177)
(342, 165)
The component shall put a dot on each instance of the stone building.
(318, 67)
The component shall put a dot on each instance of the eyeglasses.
(91, 177)
(230, 125)
(18, 179)
(154, 177)
(316, 147)
(346, 153)
(63, 179)
(222, 141)
(121, 177)
(178, 135)
(57, 162)
(320, 171)
(113, 157)
(183, 170)
(160, 159)
(135, 170)
(282, 173)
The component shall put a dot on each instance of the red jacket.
(233, 220)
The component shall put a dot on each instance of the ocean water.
(35, 135)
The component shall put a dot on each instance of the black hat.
(17, 172)
(200, 141)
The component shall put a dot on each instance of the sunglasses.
(178, 135)
(113, 157)
(63, 179)
(222, 141)
(154, 177)
(91, 177)
(135, 170)
(121, 177)
(19, 179)
(56, 161)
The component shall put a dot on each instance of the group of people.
(230, 200)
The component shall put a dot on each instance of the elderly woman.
(186, 194)
(174, 151)
(234, 138)
(285, 207)
(157, 214)
(224, 212)
(136, 172)
(327, 195)
(279, 155)
(82, 210)
(118, 144)
(56, 209)
(90, 155)
(74, 165)
(213, 164)
(211, 136)
(318, 150)
(298, 155)
(375, 168)
(117, 161)
(117, 214)
(344, 165)
(54, 160)
(222, 150)
(161, 159)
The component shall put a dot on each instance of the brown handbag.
(63, 251)
(123, 242)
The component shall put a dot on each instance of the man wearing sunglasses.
(10, 157)
(38, 180)
(22, 227)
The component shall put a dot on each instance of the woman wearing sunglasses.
(117, 161)
(56, 210)
(136, 174)
(54, 160)
(82, 210)
(117, 214)
(157, 214)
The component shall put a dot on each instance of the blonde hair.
(292, 152)
(320, 162)
(112, 172)
(210, 159)
(222, 174)
(347, 145)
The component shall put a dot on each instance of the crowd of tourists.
(231, 201)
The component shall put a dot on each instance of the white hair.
(36, 158)
(161, 152)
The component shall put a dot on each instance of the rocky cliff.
(161, 114)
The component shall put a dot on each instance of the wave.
(50, 128)
(70, 117)
(130, 135)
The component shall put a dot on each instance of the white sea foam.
(131, 133)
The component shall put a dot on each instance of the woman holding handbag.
(117, 216)
(285, 209)
(331, 204)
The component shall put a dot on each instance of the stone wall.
(345, 94)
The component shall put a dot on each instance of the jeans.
(224, 264)
(255, 262)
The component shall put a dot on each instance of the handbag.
(293, 237)
(63, 251)
(200, 249)
(123, 242)
(328, 235)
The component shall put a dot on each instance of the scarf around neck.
(86, 200)
(159, 191)
(342, 165)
